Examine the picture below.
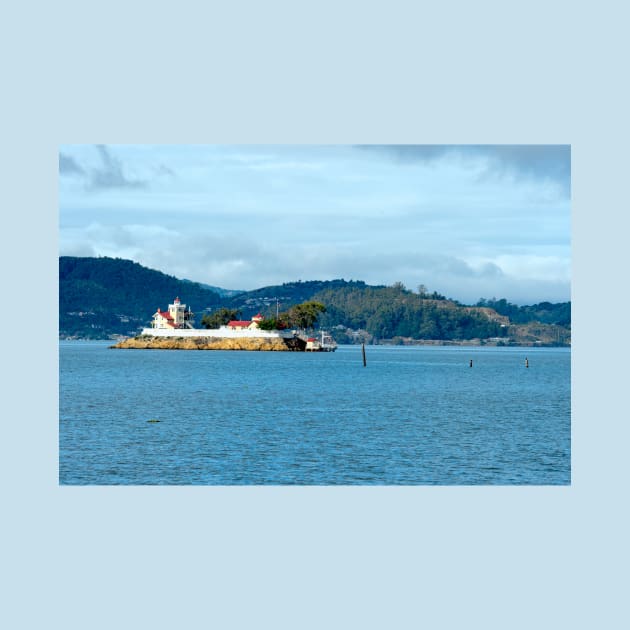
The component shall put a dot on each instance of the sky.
(468, 221)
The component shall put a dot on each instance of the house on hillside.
(236, 324)
(175, 317)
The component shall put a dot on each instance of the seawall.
(146, 342)
(218, 333)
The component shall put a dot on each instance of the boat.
(324, 344)
(328, 344)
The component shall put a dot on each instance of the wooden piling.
(526, 362)
(363, 352)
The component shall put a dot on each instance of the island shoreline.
(203, 343)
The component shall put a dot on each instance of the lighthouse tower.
(176, 317)
(176, 311)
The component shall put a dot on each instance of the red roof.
(239, 324)
(165, 314)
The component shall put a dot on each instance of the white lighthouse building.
(175, 317)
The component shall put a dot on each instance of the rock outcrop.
(144, 342)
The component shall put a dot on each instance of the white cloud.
(245, 217)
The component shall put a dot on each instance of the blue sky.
(468, 221)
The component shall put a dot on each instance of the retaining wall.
(222, 333)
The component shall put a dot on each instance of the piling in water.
(363, 352)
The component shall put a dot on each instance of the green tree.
(219, 318)
(304, 315)
(271, 323)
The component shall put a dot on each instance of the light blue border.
(316, 557)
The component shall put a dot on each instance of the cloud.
(423, 153)
(458, 219)
(246, 263)
(161, 170)
(525, 162)
(110, 174)
(69, 166)
(287, 166)
(529, 162)
(201, 255)
(525, 281)
(77, 248)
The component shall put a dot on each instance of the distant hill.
(103, 297)
(544, 312)
(286, 295)
(395, 312)
(222, 292)
(360, 312)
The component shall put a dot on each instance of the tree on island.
(305, 315)
(299, 316)
(273, 323)
(219, 318)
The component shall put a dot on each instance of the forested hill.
(397, 314)
(101, 297)
(288, 294)
(382, 312)
(104, 297)
(544, 312)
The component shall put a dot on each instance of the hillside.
(218, 290)
(103, 297)
(545, 312)
(395, 312)
(288, 294)
(359, 312)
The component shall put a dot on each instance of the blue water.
(414, 415)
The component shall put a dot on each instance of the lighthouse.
(175, 317)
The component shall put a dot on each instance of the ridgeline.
(100, 298)
(107, 298)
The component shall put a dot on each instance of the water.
(414, 415)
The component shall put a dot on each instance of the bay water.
(414, 415)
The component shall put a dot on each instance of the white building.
(177, 322)
(236, 324)
(175, 317)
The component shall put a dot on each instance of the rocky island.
(144, 342)
(173, 330)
